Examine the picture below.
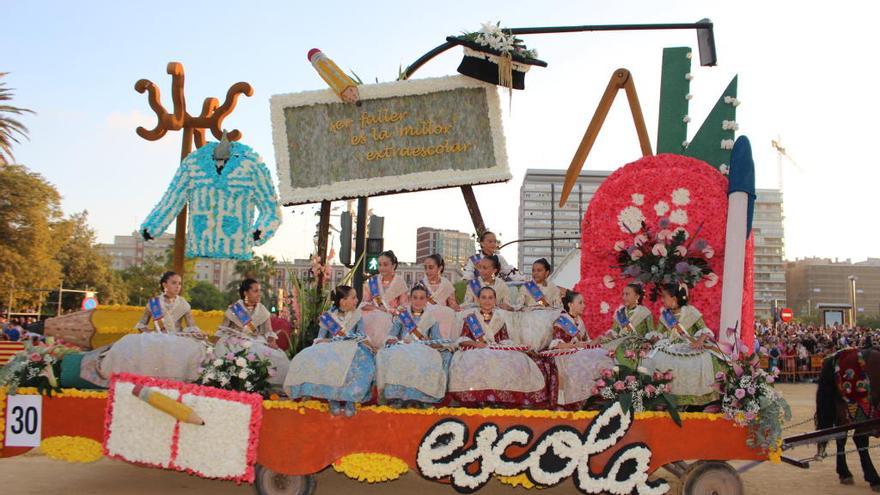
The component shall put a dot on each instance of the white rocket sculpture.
(740, 211)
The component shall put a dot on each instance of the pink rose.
(657, 376)
(619, 385)
(630, 378)
(36, 358)
(681, 251)
(600, 383)
(739, 393)
(230, 355)
(751, 390)
(636, 254)
(643, 354)
(737, 369)
(667, 388)
(659, 250)
(650, 389)
(607, 373)
(251, 357)
(629, 353)
(750, 415)
(667, 376)
(719, 376)
(594, 391)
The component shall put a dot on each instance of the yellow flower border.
(2, 415)
(371, 467)
(140, 309)
(65, 393)
(72, 449)
(518, 480)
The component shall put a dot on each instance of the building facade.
(768, 235)
(541, 218)
(454, 246)
(817, 284)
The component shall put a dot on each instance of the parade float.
(687, 208)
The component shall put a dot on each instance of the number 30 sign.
(24, 415)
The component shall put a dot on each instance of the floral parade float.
(664, 218)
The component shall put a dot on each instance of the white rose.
(241, 362)
(246, 344)
(218, 362)
(243, 374)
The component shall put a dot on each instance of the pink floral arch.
(687, 194)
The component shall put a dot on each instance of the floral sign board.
(404, 136)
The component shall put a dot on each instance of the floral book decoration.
(634, 387)
(496, 56)
(37, 366)
(662, 255)
(140, 433)
(240, 368)
(749, 399)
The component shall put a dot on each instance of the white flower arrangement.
(630, 219)
(727, 144)
(239, 369)
(660, 208)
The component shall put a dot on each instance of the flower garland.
(72, 449)
(68, 393)
(749, 399)
(370, 467)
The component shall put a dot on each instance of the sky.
(806, 74)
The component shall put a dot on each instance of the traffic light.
(371, 260)
(345, 239)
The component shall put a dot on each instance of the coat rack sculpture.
(193, 128)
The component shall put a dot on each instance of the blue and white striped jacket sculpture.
(221, 204)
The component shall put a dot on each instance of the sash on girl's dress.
(409, 324)
(331, 324)
(535, 292)
(156, 312)
(475, 286)
(375, 290)
(668, 318)
(567, 324)
(474, 326)
(622, 318)
(242, 314)
(427, 287)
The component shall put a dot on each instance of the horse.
(832, 409)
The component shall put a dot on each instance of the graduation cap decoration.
(496, 57)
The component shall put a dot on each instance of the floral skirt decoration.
(693, 372)
(481, 377)
(404, 391)
(148, 354)
(259, 346)
(357, 386)
(576, 375)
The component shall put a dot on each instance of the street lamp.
(852, 299)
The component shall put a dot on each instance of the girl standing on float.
(339, 366)
(413, 366)
(632, 319)
(383, 294)
(488, 247)
(540, 304)
(442, 304)
(483, 374)
(170, 347)
(577, 361)
(248, 320)
(689, 349)
(487, 270)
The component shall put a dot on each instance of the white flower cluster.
(238, 369)
(729, 125)
(731, 100)
(630, 219)
(494, 37)
(727, 144)
(724, 169)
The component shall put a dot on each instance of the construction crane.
(780, 154)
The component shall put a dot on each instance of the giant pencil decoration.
(167, 405)
(740, 210)
(338, 81)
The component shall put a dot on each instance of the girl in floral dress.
(168, 345)
(688, 350)
(339, 366)
(413, 366)
(540, 305)
(383, 294)
(488, 277)
(442, 304)
(577, 362)
(482, 372)
(252, 325)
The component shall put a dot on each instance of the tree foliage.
(261, 268)
(10, 128)
(203, 295)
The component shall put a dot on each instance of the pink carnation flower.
(681, 251)
(650, 389)
(35, 357)
(636, 254)
(667, 376)
(740, 393)
(659, 250)
(619, 385)
(600, 383)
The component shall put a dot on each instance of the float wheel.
(711, 478)
(268, 482)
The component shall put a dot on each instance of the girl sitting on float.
(632, 319)
(247, 320)
(339, 366)
(540, 304)
(578, 361)
(442, 304)
(688, 349)
(488, 247)
(383, 294)
(487, 369)
(170, 347)
(412, 368)
(488, 277)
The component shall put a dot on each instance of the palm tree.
(263, 269)
(9, 127)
